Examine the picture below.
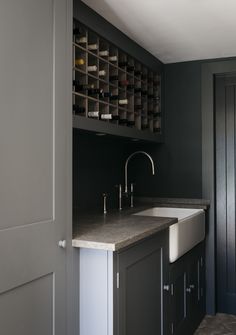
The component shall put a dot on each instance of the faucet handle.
(131, 195)
(104, 203)
(120, 195)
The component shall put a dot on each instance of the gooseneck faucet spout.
(127, 162)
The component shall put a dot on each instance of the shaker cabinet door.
(142, 270)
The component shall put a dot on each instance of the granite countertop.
(117, 230)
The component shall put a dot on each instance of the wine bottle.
(123, 121)
(138, 107)
(104, 53)
(137, 72)
(113, 77)
(113, 58)
(116, 117)
(130, 68)
(144, 126)
(105, 95)
(114, 97)
(93, 47)
(79, 61)
(123, 64)
(137, 90)
(123, 83)
(156, 130)
(82, 40)
(157, 126)
(102, 73)
(123, 102)
(92, 68)
(130, 87)
(106, 116)
(156, 98)
(94, 114)
(82, 87)
(94, 91)
(144, 92)
(78, 109)
(130, 123)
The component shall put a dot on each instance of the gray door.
(225, 129)
(33, 166)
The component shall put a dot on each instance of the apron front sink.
(186, 233)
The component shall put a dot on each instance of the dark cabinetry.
(136, 291)
(187, 292)
(142, 271)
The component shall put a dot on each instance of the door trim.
(209, 70)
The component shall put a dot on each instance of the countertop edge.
(117, 246)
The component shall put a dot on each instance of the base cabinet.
(137, 292)
(121, 293)
(187, 292)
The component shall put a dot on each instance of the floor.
(220, 324)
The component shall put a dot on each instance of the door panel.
(178, 300)
(28, 309)
(26, 120)
(142, 271)
(34, 133)
(225, 90)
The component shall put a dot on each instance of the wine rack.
(112, 87)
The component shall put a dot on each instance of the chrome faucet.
(126, 171)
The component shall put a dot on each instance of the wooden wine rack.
(136, 83)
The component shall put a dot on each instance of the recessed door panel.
(27, 112)
(28, 309)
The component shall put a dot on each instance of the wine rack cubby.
(112, 87)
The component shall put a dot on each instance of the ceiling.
(175, 30)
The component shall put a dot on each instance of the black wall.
(181, 155)
(98, 165)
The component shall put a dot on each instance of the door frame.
(208, 72)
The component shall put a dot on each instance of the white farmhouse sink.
(186, 233)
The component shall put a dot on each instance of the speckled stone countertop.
(117, 230)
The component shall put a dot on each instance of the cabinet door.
(201, 280)
(195, 287)
(34, 141)
(192, 262)
(178, 298)
(142, 270)
(201, 298)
